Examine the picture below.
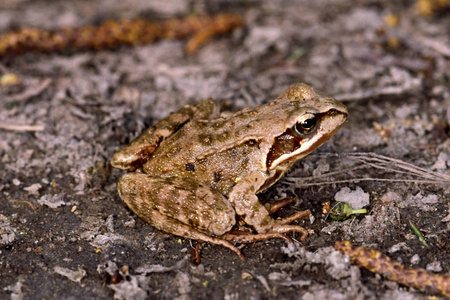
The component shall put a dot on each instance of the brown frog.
(194, 173)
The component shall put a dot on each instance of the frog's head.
(310, 121)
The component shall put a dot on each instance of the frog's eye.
(305, 126)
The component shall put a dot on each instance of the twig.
(17, 127)
(112, 34)
(377, 262)
(30, 92)
(379, 92)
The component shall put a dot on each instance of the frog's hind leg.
(168, 224)
(179, 206)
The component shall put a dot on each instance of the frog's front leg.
(179, 206)
(246, 204)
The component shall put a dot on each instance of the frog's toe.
(239, 236)
(292, 228)
(296, 216)
(278, 204)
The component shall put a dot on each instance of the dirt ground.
(66, 234)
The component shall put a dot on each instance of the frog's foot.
(277, 205)
(247, 237)
(291, 228)
(282, 225)
(247, 205)
(278, 231)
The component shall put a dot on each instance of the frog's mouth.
(291, 145)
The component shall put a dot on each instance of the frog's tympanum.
(195, 173)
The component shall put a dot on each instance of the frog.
(197, 172)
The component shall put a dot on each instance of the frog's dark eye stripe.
(306, 126)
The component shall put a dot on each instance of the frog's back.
(217, 160)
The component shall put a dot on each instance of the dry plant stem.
(16, 127)
(387, 163)
(381, 162)
(374, 93)
(367, 179)
(113, 34)
(32, 91)
(376, 262)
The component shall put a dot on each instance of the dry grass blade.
(17, 127)
(374, 161)
(398, 166)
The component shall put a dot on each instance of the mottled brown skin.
(194, 171)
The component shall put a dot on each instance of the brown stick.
(377, 262)
(113, 34)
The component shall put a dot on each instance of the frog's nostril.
(333, 112)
